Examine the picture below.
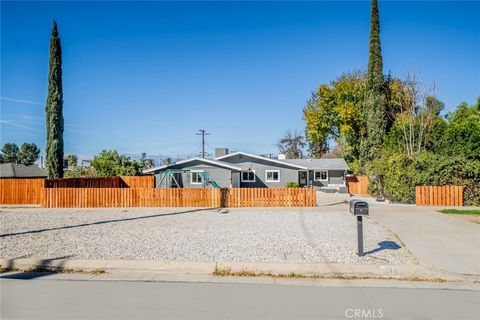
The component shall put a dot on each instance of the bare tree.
(419, 111)
(292, 144)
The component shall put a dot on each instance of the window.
(196, 177)
(321, 175)
(248, 176)
(272, 175)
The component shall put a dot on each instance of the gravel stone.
(321, 235)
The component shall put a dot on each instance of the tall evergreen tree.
(54, 109)
(375, 98)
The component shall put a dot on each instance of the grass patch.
(472, 212)
(227, 272)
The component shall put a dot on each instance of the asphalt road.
(70, 299)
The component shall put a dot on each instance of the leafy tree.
(28, 154)
(54, 109)
(291, 145)
(9, 153)
(334, 112)
(167, 161)
(79, 172)
(110, 163)
(72, 160)
(375, 97)
(461, 134)
(451, 156)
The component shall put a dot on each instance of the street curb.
(109, 265)
(207, 268)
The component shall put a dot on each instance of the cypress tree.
(54, 109)
(375, 98)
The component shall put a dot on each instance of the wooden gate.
(439, 196)
(357, 185)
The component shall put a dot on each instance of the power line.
(203, 133)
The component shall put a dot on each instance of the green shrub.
(400, 173)
(292, 185)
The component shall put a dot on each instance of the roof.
(207, 161)
(293, 165)
(13, 170)
(332, 163)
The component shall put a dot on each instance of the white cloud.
(22, 101)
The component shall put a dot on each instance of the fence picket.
(32, 191)
(439, 195)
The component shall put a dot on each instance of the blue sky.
(146, 76)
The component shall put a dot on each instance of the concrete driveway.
(437, 240)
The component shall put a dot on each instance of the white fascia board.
(262, 158)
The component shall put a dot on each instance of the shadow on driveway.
(385, 245)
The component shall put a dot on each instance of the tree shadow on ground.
(384, 245)
(104, 222)
(43, 268)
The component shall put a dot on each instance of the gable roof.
(207, 161)
(331, 163)
(13, 170)
(293, 165)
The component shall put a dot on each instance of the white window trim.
(191, 176)
(266, 176)
(314, 174)
(248, 181)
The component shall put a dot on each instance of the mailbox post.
(359, 209)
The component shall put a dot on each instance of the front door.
(302, 178)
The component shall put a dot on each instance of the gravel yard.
(324, 235)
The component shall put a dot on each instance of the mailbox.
(358, 207)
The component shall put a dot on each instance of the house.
(244, 170)
(13, 170)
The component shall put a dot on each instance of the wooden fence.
(439, 195)
(139, 182)
(185, 197)
(21, 191)
(270, 197)
(358, 185)
(102, 182)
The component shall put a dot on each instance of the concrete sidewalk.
(437, 240)
(152, 270)
(361, 276)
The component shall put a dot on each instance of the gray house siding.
(334, 177)
(220, 175)
(287, 174)
(226, 171)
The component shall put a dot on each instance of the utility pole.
(203, 133)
